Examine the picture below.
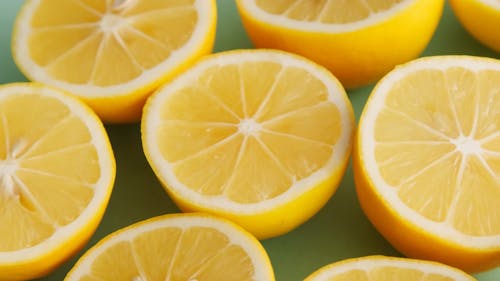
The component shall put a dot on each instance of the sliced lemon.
(111, 53)
(427, 160)
(381, 268)
(176, 247)
(481, 18)
(56, 175)
(358, 40)
(258, 136)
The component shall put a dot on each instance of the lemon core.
(249, 127)
(467, 145)
(7, 169)
(111, 23)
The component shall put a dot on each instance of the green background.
(340, 230)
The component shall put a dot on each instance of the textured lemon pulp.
(179, 247)
(436, 148)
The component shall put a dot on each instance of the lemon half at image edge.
(111, 54)
(176, 247)
(427, 160)
(382, 268)
(57, 172)
(356, 40)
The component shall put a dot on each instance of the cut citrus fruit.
(111, 53)
(56, 175)
(258, 136)
(481, 18)
(176, 247)
(381, 268)
(358, 40)
(427, 160)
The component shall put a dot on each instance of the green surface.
(340, 230)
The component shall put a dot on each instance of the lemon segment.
(244, 134)
(176, 247)
(111, 54)
(56, 175)
(427, 159)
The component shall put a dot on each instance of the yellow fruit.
(481, 18)
(381, 268)
(357, 40)
(56, 175)
(427, 160)
(112, 53)
(183, 247)
(261, 137)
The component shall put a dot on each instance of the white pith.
(495, 4)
